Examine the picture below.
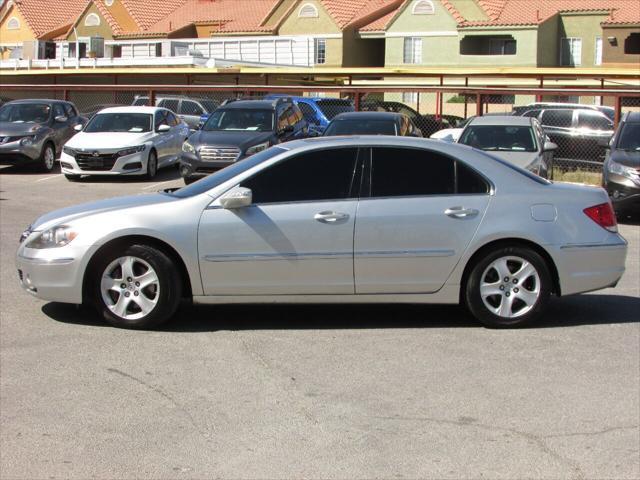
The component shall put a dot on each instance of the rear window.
(334, 106)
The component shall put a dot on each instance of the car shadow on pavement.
(570, 311)
(28, 169)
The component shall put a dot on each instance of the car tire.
(47, 158)
(138, 288)
(72, 178)
(508, 288)
(152, 165)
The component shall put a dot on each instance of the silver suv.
(188, 109)
(36, 130)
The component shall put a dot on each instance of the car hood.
(243, 140)
(521, 159)
(10, 129)
(627, 158)
(65, 215)
(108, 140)
(448, 134)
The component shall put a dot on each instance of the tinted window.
(313, 176)
(361, 127)
(58, 111)
(190, 108)
(630, 137)
(71, 112)
(169, 104)
(557, 118)
(469, 181)
(593, 121)
(398, 172)
(308, 112)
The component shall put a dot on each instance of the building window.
(632, 44)
(116, 51)
(13, 24)
(571, 52)
(320, 51)
(308, 11)
(410, 97)
(92, 20)
(412, 50)
(423, 7)
(488, 45)
(598, 52)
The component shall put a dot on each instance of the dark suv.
(237, 130)
(621, 173)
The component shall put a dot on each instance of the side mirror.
(550, 147)
(79, 127)
(164, 128)
(238, 197)
(62, 119)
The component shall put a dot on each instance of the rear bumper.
(588, 267)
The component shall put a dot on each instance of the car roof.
(130, 109)
(36, 100)
(569, 105)
(257, 104)
(501, 120)
(391, 116)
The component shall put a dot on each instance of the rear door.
(422, 211)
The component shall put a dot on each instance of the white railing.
(65, 63)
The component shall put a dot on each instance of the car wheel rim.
(130, 288)
(49, 158)
(510, 287)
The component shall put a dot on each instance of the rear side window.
(190, 108)
(557, 118)
(311, 176)
(169, 105)
(593, 121)
(400, 172)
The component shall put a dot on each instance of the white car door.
(296, 237)
(422, 212)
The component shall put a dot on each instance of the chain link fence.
(580, 126)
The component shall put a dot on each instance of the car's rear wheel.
(48, 157)
(152, 165)
(137, 288)
(510, 287)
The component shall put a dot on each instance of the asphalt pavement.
(338, 392)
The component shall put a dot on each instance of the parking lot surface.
(310, 391)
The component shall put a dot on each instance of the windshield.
(630, 137)
(221, 176)
(332, 107)
(25, 113)
(120, 122)
(240, 120)
(499, 137)
(361, 127)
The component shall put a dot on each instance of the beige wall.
(103, 30)
(586, 27)
(548, 43)
(614, 54)
(24, 33)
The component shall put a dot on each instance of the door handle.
(330, 217)
(461, 212)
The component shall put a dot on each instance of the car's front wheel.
(48, 157)
(152, 165)
(510, 287)
(138, 287)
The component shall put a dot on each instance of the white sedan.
(125, 141)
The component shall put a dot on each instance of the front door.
(297, 236)
(423, 211)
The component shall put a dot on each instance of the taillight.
(603, 215)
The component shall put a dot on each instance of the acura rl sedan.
(343, 220)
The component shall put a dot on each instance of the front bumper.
(624, 194)
(192, 167)
(51, 274)
(134, 164)
(14, 152)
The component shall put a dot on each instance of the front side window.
(240, 120)
(593, 121)
(412, 50)
(571, 52)
(499, 138)
(312, 176)
(25, 113)
(401, 172)
(70, 110)
(161, 119)
(58, 111)
(172, 120)
(557, 118)
(190, 108)
(169, 104)
(120, 122)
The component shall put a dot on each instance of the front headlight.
(131, 150)
(257, 148)
(54, 237)
(187, 147)
(27, 141)
(619, 169)
(69, 151)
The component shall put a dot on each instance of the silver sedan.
(342, 220)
